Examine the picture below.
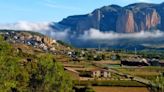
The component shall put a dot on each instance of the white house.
(100, 73)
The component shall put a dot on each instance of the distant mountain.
(132, 18)
(115, 26)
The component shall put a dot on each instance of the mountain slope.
(34, 43)
(132, 18)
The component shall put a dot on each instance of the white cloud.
(24, 25)
(58, 35)
(43, 28)
(94, 34)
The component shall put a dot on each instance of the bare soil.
(120, 89)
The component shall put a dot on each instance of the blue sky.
(53, 10)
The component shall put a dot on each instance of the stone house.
(105, 73)
(96, 73)
(99, 73)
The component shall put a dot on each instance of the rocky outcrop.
(103, 19)
(125, 22)
(132, 18)
(150, 19)
(153, 19)
(48, 41)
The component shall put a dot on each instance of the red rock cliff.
(125, 22)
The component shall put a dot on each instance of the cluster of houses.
(142, 62)
(36, 41)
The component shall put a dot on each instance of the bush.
(89, 89)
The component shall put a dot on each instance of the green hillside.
(30, 72)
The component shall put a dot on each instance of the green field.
(121, 83)
(149, 73)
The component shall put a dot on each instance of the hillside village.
(41, 42)
(38, 41)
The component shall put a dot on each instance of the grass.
(142, 70)
(149, 73)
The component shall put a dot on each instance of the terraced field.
(144, 72)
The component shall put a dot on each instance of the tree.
(89, 89)
(103, 56)
(118, 57)
(41, 74)
(9, 68)
(49, 75)
(98, 58)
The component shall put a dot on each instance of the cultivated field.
(145, 72)
(120, 89)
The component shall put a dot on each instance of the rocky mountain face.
(132, 18)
